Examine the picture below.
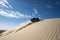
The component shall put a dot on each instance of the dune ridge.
(44, 30)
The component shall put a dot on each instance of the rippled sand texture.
(44, 30)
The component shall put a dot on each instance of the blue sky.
(15, 12)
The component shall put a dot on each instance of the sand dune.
(48, 29)
(1, 31)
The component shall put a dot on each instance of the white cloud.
(13, 14)
(35, 10)
(5, 4)
(48, 6)
(35, 14)
(10, 13)
(8, 4)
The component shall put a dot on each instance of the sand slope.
(44, 30)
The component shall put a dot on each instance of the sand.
(48, 29)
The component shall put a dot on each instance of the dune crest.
(44, 30)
